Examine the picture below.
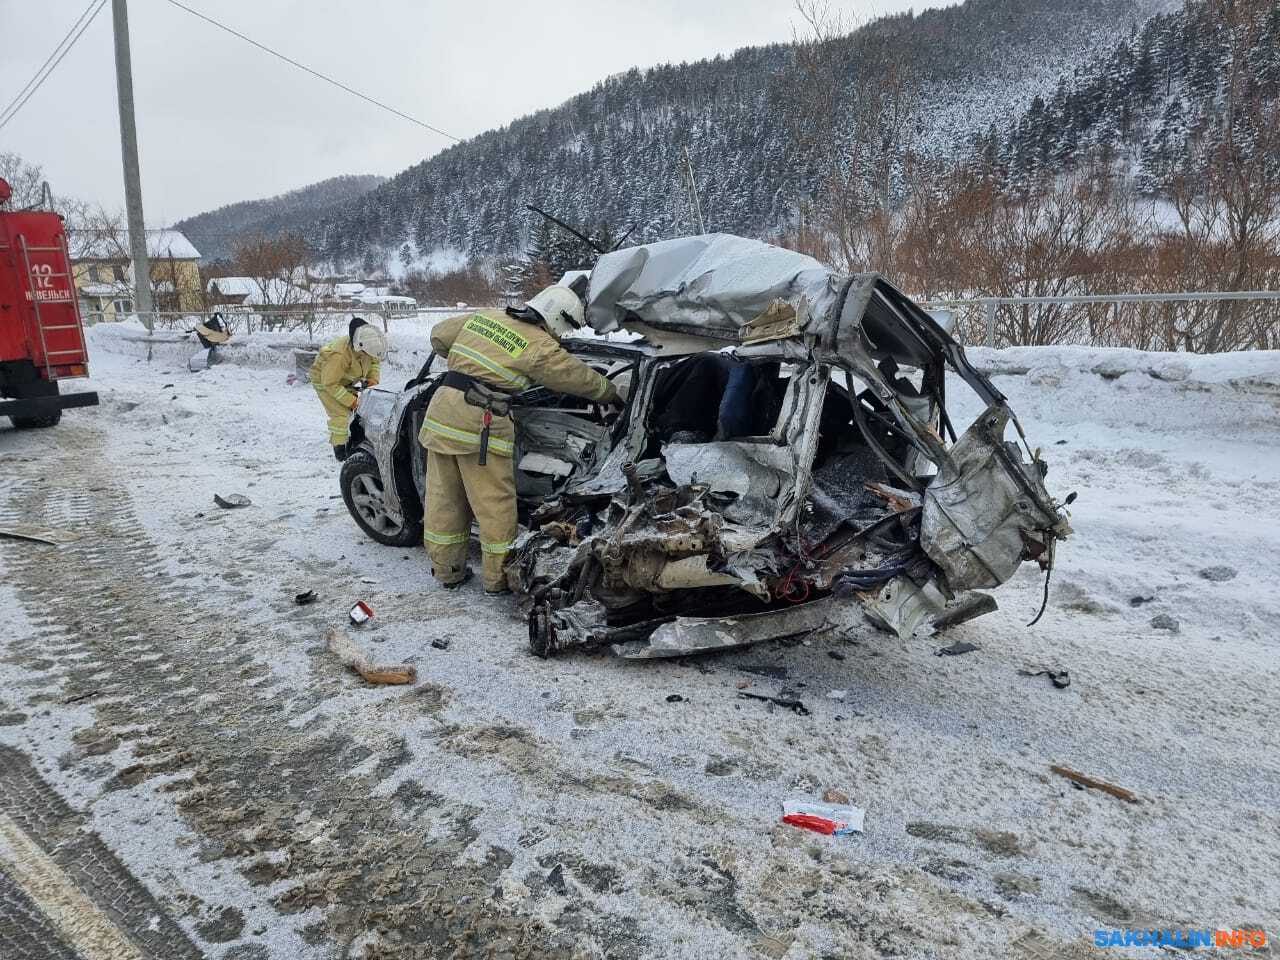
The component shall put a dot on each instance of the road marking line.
(82, 924)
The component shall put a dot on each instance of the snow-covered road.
(270, 804)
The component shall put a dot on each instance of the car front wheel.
(362, 492)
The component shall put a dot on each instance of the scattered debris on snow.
(1061, 678)
(795, 706)
(350, 655)
(1092, 782)
(957, 648)
(829, 818)
(34, 534)
(1219, 574)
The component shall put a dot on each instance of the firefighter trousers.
(339, 417)
(458, 488)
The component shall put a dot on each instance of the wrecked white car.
(785, 452)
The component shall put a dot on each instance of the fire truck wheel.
(27, 391)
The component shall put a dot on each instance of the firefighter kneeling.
(469, 434)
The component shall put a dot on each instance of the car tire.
(362, 493)
(29, 391)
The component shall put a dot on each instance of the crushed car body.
(785, 452)
(784, 458)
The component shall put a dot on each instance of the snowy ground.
(274, 805)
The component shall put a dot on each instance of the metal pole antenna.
(129, 157)
(695, 205)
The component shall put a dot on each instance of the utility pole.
(129, 157)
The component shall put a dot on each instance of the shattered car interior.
(785, 457)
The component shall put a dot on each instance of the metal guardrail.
(1145, 321)
(990, 307)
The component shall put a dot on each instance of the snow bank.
(1256, 371)
(408, 350)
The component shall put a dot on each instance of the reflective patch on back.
(499, 334)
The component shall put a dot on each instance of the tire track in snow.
(287, 807)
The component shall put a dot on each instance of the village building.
(252, 292)
(102, 267)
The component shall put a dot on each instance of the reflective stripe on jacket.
(338, 365)
(509, 355)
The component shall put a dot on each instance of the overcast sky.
(220, 121)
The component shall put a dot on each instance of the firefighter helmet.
(369, 339)
(560, 310)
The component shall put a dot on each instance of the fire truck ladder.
(78, 326)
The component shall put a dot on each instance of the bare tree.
(1067, 235)
(281, 267)
(25, 179)
(474, 284)
(849, 103)
(1227, 197)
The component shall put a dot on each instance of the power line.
(314, 73)
(21, 99)
(53, 53)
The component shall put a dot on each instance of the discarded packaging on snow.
(361, 612)
(829, 818)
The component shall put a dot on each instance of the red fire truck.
(41, 335)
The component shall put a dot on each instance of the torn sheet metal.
(988, 509)
(34, 534)
(904, 607)
(541, 463)
(751, 476)
(687, 635)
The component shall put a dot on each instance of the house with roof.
(101, 265)
(252, 292)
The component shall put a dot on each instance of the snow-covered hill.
(1136, 104)
(215, 231)
(612, 157)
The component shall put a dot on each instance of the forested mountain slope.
(1032, 86)
(214, 232)
(613, 155)
(1139, 104)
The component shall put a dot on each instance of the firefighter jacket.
(509, 355)
(337, 366)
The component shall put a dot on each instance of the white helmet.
(560, 309)
(369, 339)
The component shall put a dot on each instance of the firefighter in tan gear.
(469, 435)
(342, 363)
